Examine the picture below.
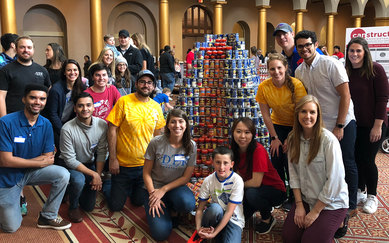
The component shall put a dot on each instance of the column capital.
(331, 13)
(301, 10)
(358, 16)
(219, 2)
(263, 6)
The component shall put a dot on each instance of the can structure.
(221, 88)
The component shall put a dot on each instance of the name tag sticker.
(179, 158)
(93, 146)
(19, 139)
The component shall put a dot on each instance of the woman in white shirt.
(316, 177)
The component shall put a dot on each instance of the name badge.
(179, 157)
(19, 139)
(93, 146)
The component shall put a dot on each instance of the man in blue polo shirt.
(26, 158)
(285, 39)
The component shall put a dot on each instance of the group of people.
(322, 145)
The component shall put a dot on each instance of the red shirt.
(189, 59)
(261, 163)
(339, 55)
(104, 102)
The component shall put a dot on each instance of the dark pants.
(129, 182)
(280, 162)
(322, 230)
(79, 190)
(261, 199)
(347, 145)
(365, 154)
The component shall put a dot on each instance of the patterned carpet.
(130, 225)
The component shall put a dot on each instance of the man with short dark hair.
(26, 158)
(167, 70)
(15, 76)
(326, 79)
(133, 121)
(9, 47)
(131, 54)
(82, 138)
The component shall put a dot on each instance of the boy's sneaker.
(23, 206)
(343, 230)
(264, 228)
(57, 224)
(361, 196)
(371, 204)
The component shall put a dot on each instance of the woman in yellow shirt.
(279, 93)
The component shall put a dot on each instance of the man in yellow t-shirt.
(133, 121)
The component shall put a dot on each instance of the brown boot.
(75, 215)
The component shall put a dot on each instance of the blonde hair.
(111, 66)
(288, 81)
(294, 136)
(140, 41)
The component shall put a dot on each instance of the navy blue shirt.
(295, 60)
(24, 141)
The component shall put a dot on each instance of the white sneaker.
(371, 204)
(361, 196)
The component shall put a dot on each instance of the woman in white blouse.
(316, 177)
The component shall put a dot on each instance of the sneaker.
(23, 206)
(264, 228)
(361, 196)
(57, 224)
(342, 230)
(287, 205)
(371, 204)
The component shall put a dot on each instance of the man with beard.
(26, 158)
(133, 121)
(15, 76)
(83, 147)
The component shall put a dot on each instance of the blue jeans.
(57, 176)
(347, 145)
(180, 200)
(231, 233)
(261, 199)
(168, 80)
(80, 191)
(129, 182)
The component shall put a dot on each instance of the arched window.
(197, 22)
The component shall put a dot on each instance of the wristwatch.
(274, 137)
(340, 125)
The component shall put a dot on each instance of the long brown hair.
(367, 66)
(186, 138)
(288, 81)
(118, 77)
(78, 86)
(294, 136)
(250, 149)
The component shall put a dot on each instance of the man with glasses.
(285, 39)
(326, 78)
(133, 121)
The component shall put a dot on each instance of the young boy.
(163, 99)
(109, 42)
(223, 219)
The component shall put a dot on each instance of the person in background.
(260, 56)
(163, 99)
(59, 108)
(87, 63)
(263, 187)
(148, 59)
(106, 57)
(277, 98)
(55, 57)
(9, 49)
(123, 76)
(254, 56)
(167, 69)
(109, 42)
(169, 163)
(223, 219)
(316, 177)
(338, 53)
(324, 50)
(84, 148)
(105, 96)
(189, 59)
(28, 160)
(369, 92)
(177, 69)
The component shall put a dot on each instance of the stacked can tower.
(220, 88)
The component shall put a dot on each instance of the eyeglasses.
(142, 82)
(307, 45)
(122, 65)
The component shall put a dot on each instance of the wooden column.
(218, 16)
(299, 20)
(164, 30)
(330, 33)
(357, 21)
(262, 29)
(8, 17)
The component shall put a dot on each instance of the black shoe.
(287, 205)
(57, 223)
(264, 228)
(343, 230)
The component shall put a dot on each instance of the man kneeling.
(26, 158)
